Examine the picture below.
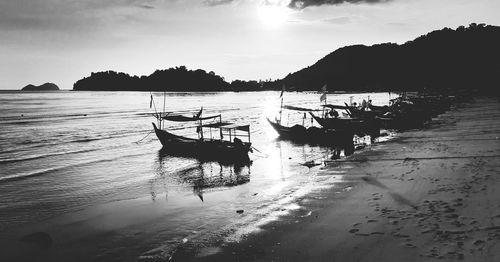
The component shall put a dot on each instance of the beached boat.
(313, 135)
(226, 147)
(359, 126)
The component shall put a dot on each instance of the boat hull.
(203, 149)
(314, 135)
(359, 127)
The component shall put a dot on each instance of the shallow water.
(72, 153)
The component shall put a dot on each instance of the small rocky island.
(44, 87)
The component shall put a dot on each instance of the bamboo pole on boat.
(281, 108)
(220, 129)
(156, 112)
(164, 98)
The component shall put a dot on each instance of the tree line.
(466, 58)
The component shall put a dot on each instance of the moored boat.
(358, 126)
(313, 135)
(226, 147)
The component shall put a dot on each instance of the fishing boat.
(358, 126)
(310, 135)
(223, 142)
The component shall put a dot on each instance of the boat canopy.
(336, 106)
(296, 108)
(227, 126)
(179, 118)
(245, 128)
(216, 125)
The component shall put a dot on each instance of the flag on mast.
(199, 113)
(323, 96)
(151, 102)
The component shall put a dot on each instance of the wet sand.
(430, 194)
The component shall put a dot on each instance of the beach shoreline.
(427, 195)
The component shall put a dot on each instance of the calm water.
(72, 153)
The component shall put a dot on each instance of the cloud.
(341, 20)
(146, 6)
(217, 2)
(297, 4)
(300, 4)
(62, 15)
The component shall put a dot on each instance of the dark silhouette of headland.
(462, 59)
(44, 87)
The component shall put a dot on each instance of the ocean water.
(67, 154)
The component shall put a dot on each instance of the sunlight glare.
(273, 14)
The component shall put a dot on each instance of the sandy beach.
(249, 130)
(430, 194)
(426, 195)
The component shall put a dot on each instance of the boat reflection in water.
(201, 174)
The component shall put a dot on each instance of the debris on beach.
(310, 164)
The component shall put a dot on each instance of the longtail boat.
(359, 126)
(223, 145)
(311, 135)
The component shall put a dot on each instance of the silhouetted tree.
(446, 59)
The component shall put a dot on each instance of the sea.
(87, 167)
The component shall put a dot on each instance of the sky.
(62, 41)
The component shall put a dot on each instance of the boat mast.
(281, 109)
(152, 102)
(163, 109)
(281, 106)
(220, 129)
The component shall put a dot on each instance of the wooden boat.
(313, 135)
(228, 147)
(357, 126)
(360, 112)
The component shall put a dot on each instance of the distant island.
(464, 58)
(44, 87)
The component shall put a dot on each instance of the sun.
(273, 15)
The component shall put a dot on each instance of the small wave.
(18, 177)
(85, 140)
(23, 176)
(45, 156)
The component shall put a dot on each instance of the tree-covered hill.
(465, 58)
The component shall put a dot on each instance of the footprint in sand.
(478, 242)
(451, 216)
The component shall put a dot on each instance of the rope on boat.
(137, 142)
(265, 155)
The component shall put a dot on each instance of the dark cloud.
(146, 6)
(217, 2)
(300, 4)
(63, 15)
